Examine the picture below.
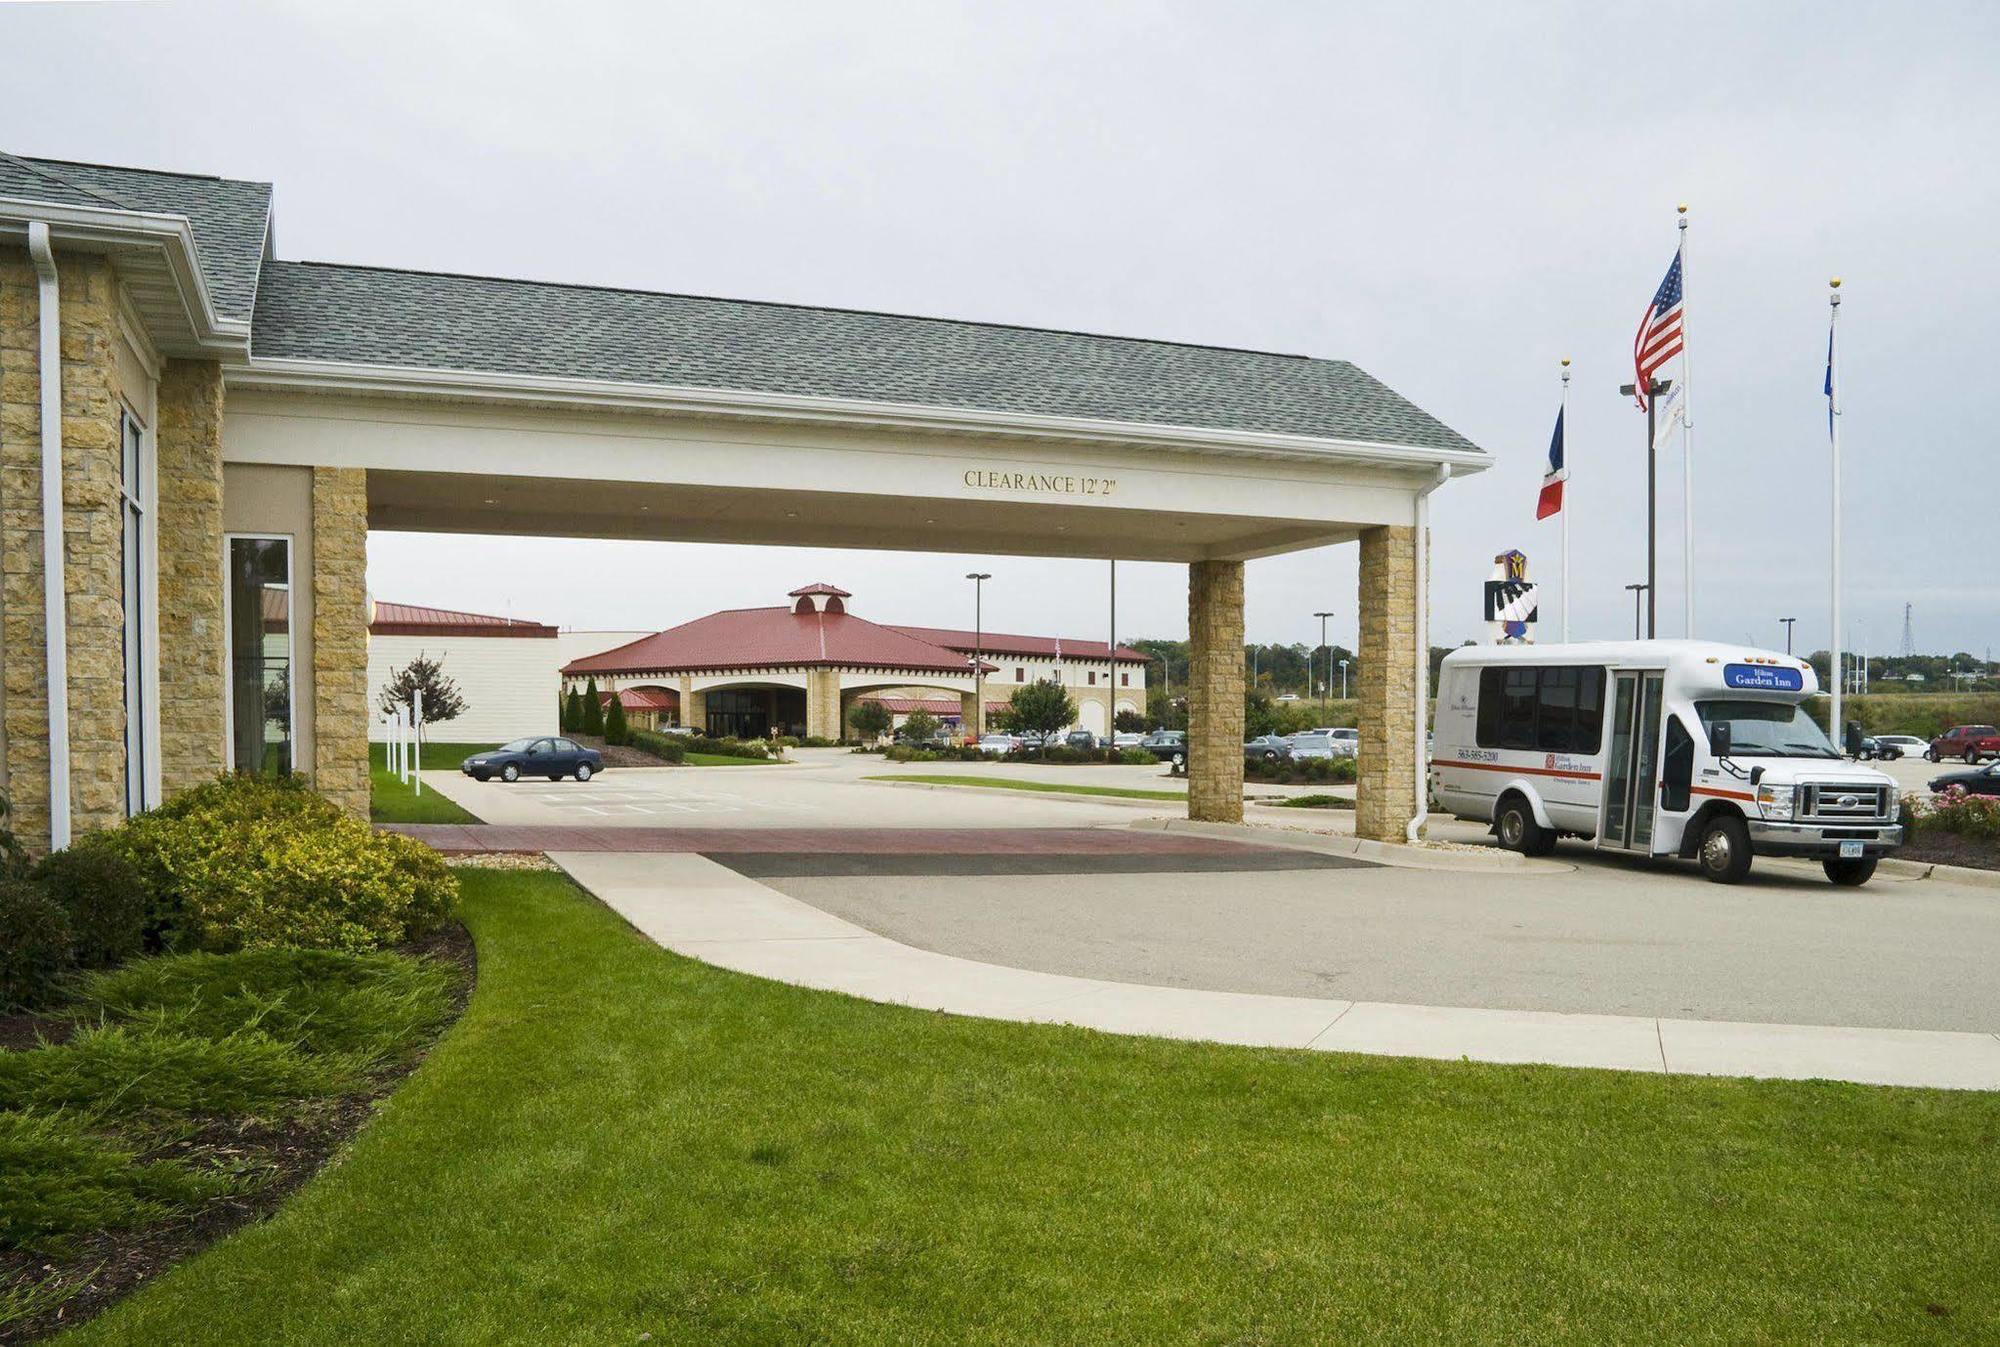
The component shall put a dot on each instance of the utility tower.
(1909, 641)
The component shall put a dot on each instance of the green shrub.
(617, 732)
(373, 1007)
(1955, 812)
(36, 947)
(116, 1071)
(593, 711)
(729, 748)
(905, 753)
(1137, 757)
(100, 891)
(785, 741)
(13, 856)
(1317, 802)
(64, 1181)
(1301, 770)
(240, 863)
(815, 741)
(665, 747)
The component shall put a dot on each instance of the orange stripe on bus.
(1722, 794)
(1524, 771)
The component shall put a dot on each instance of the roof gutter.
(1423, 624)
(55, 612)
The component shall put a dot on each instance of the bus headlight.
(1775, 801)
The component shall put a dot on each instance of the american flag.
(1659, 338)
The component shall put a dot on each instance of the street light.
(979, 579)
(1788, 632)
(1637, 590)
(1343, 680)
(1655, 390)
(1322, 645)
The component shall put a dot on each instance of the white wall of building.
(574, 645)
(509, 683)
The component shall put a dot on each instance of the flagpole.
(1687, 444)
(1563, 417)
(1833, 433)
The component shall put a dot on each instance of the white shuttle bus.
(1659, 748)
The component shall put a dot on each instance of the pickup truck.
(1971, 742)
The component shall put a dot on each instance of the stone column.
(1215, 691)
(193, 645)
(823, 703)
(92, 550)
(968, 713)
(340, 637)
(694, 711)
(1386, 792)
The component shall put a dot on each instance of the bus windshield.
(1767, 729)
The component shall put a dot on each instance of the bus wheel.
(1725, 849)
(1850, 874)
(1518, 830)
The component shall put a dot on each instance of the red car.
(1971, 742)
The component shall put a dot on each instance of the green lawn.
(724, 760)
(616, 1143)
(1052, 787)
(390, 801)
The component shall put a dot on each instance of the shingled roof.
(369, 315)
(231, 218)
(375, 316)
(767, 638)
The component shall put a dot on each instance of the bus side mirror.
(1718, 739)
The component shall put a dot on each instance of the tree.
(1041, 708)
(592, 721)
(920, 726)
(616, 731)
(573, 711)
(1129, 722)
(870, 719)
(1258, 717)
(424, 679)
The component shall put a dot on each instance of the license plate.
(1850, 851)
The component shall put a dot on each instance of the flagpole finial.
(1835, 282)
(1681, 209)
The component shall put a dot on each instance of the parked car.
(1082, 740)
(1868, 748)
(1346, 740)
(1906, 745)
(1311, 744)
(1971, 742)
(1267, 748)
(1167, 746)
(1127, 740)
(1979, 781)
(550, 757)
(999, 744)
(684, 731)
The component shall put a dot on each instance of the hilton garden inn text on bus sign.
(1056, 483)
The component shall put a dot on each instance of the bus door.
(1631, 768)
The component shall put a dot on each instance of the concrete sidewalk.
(702, 909)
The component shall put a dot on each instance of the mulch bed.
(112, 1264)
(621, 755)
(1950, 849)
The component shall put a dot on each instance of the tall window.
(133, 571)
(260, 655)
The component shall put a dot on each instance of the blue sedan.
(550, 757)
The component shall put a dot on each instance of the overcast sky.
(1453, 199)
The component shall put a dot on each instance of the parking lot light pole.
(1637, 590)
(1788, 632)
(1655, 390)
(1329, 655)
(1343, 680)
(979, 579)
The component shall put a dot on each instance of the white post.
(1687, 442)
(1833, 434)
(416, 744)
(1562, 416)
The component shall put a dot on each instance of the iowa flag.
(1551, 501)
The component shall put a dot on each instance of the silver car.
(1312, 744)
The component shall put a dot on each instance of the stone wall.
(340, 636)
(193, 643)
(823, 704)
(1385, 791)
(1215, 691)
(91, 551)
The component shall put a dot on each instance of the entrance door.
(1631, 776)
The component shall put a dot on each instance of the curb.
(1951, 874)
(1121, 800)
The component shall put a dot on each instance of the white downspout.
(55, 615)
(1423, 813)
